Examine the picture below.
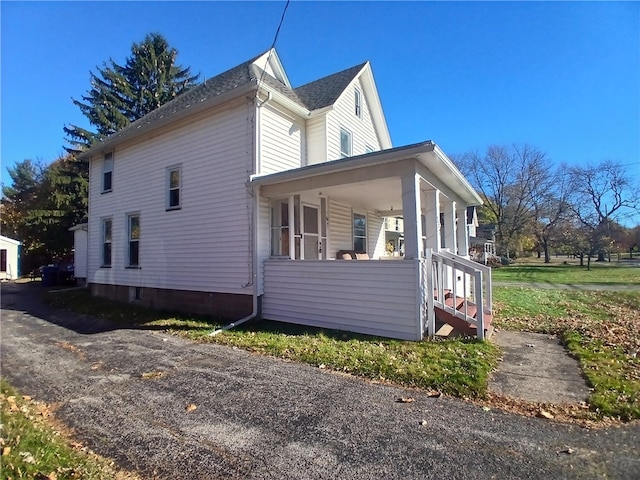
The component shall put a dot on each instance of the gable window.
(345, 143)
(358, 103)
(360, 232)
(133, 232)
(107, 224)
(107, 172)
(174, 182)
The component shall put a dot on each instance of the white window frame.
(357, 98)
(106, 241)
(347, 133)
(130, 240)
(107, 169)
(353, 233)
(169, 189)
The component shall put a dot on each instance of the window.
(345, 143)
(358, 103)
(3, 260)
(134, 240)
(107, 172)
(173, 187)
(359, 232)
(106, 242)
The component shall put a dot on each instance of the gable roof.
(325, 91)
(264, 70)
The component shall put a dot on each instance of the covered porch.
(314, 214)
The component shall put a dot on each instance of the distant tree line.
(44, 201)
(537, 206)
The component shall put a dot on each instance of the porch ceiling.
(374, 180)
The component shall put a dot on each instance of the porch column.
(450, 236)
(432, 219)
(463, 232)
(411, 208)
(292, 228)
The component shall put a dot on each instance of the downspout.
(254, 227)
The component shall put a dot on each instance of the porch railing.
(444, 273)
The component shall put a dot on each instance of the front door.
(310, 232)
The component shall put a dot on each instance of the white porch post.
(432, 219)
(450, 236)
(292, 227)
(411, 207)
(463, 233)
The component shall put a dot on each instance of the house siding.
(343, 115)
(317, 140)
(282, 143)
(80, 253)
(205, 245)
(12, 248)
(370, 297)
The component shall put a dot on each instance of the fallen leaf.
(322, 365)
(423, 423)
(6, 451)
(191, 407)
(405, 400)
(545, 414)
(530, 345)
(434, 394)
(486, 409)
(567, 450)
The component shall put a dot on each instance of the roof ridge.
(326, 90)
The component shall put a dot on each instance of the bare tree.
(510, 179)
(601, 194)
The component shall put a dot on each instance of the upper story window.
(134, 240)
(358, 103)
(107, 172)
(345, 143)
(107, 225)
(174, 183)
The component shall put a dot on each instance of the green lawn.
(600, 273)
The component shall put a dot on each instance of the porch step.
(457, 325)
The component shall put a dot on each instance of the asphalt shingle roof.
(314, 95)
(325, 91)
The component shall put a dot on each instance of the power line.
(275, 39)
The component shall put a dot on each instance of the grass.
(599, 327)
(601, 273)
(458, 367)
(33, 449)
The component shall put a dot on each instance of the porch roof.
(374, 179)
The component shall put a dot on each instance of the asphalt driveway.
(126, 393)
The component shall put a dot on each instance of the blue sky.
(564, 77)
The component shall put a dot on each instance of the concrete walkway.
(570, 286)
(537, 368)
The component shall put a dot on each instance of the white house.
(241, 197)
(9, 258)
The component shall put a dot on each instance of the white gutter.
(254, 226)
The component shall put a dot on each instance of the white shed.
(80, 252)
(9, 258)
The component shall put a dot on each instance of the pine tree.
(120, 95)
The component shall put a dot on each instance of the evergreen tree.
(120, 95)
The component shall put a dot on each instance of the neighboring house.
(80, 252)
(9, 258)
(236, 198)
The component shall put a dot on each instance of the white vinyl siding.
(205, 247)
(339, 227)
(317, 140)
(281, 142)
(365, 296)
(363, 133)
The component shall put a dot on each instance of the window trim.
(350, 137)
(104, 242)
(358, 102)
(107, 156)
(130, 217)
(168, 205)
